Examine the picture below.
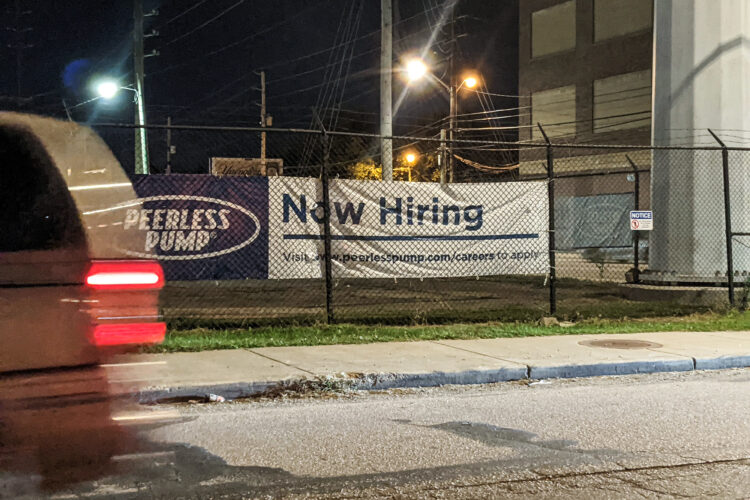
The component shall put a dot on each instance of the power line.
(189, 9)
(316, 86)
(266, 30)
(557, 124)
(499, 110)
(203, 25)
(324, 98)
(328, 76)
(234, 44)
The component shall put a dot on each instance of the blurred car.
(70, 296)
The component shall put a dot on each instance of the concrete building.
(585, 75)
(585, 70)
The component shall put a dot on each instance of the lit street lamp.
(410, 159)
(107, 89)
(416, 69)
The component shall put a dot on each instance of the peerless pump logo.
(180, 227)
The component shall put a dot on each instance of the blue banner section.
(599, 221)
(202, 227)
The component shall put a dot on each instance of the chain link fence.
(467, 230)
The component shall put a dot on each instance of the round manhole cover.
(620, 344)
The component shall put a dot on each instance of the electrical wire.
(203, 25)
(332, 100)
(189, 9)
(329, 83)
(261, 32)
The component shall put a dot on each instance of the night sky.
(322, 53)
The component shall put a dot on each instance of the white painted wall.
(701, 81)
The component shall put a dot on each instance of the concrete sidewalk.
(245, 372)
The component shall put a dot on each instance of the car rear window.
(36, 209)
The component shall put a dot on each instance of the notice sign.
(403, 229)
(641, 220)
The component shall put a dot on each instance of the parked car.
(70, 296)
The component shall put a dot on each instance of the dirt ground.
(506, 298)
(583, 286)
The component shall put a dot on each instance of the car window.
(36, 209)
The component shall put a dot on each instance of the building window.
(555, 109)
(553, 29)
(614, 18)
(622, 101)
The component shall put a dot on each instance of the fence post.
(551, 224)
(636, 234)
(727, 217)
(327, 228)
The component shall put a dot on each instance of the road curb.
(722, 362)
(433, 379)
(604, 369)
(229, 390)
(384, 381)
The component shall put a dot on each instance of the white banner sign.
(399, 229)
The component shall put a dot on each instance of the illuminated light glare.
(113, 279)
(415, 69)
(107, 89)
(128, 333)
(411, 158)
(152, 415)
(470, 82)
(100, 186)
(125, 275)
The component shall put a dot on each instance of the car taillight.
(125, 275)
(117, 334)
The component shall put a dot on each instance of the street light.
(416, 69)
(410, 159)
(470, 82)
(107, 89)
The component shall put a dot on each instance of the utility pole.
(386, 93)
(451, 128)
(452, 90)
(263, 122)
(141, 149)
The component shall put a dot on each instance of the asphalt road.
(650, 436)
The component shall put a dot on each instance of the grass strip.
(202, 339)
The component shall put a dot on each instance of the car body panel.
(46, 312)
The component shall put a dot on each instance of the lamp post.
(108, 89)
(416, 69)
(410, 159)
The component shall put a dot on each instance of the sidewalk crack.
(279, 361)
(478, 353)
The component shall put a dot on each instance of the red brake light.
(125, 275)
(128, 333)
